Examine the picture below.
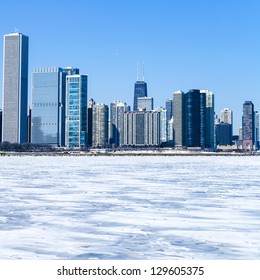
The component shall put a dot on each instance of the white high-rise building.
(15, 88)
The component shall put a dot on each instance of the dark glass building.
(140, 90)
(193, 118)
(248, 123)
(224, 134)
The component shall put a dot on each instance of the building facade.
(224, 134)
(179, 118)
(140, 90)
(209, 121)
(248, 129)
(145, 103)
(48, 106)
(76, 110)
(100, 126)
(117, 110)
(142, 128)
(15, 88)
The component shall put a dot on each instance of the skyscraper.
(142, 128)
(193, 115)
(257, 130)
(248, 129)
(209, 120)
(117, 110)
(76, 110)
(15, 88)
(226, 116)
(91, 104)
(100, 126)
(169, 108)
(140, 90)
(179, 118)
(48, 106)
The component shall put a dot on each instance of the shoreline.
(125, 154)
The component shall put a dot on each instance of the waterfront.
(129, 207)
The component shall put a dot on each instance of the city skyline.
(201, 45)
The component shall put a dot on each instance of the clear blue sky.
(187, 44)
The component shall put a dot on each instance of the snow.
(176, 207)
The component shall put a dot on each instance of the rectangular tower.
(100, 126)
(248, 125)
(48, 106)
(76, 110)
(179, 116)
(139, 91)
(15, 88)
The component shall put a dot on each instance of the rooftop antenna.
(16, 30)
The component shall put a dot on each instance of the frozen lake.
(130, 207)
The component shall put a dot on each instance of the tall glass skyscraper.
(15, 88)
(76, 110)
(140, 90)
(48, 106)
(248, 125)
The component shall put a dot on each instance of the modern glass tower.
(140, 90)
(15, 88)
(76, 110)
(48, 106)
(248, 125)
(209, 121)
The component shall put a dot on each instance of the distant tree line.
(25, 147)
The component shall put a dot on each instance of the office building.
(48, 106)
(257, 131)
(142, 128)
(248, 129)
(145, 103)
(100, 126)
(224, 134)
(179, 118)
(169, 108)
(15, 88)
(140, 90)
(0, 126)
(76, 110)
(209, 120)
(117, 110)
(226, 116)
(91, 104)
(164, 126)
(193, 115)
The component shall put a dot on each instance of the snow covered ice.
(129, 207)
